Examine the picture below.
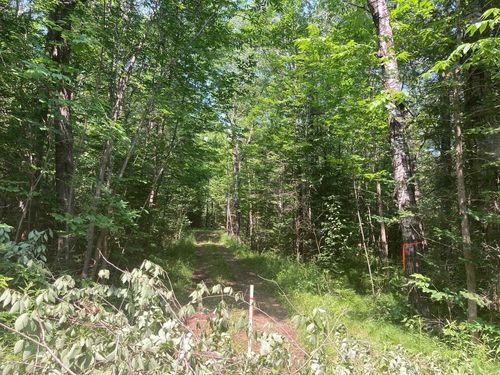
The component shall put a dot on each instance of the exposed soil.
(217, 264)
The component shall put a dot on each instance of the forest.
(159, 156)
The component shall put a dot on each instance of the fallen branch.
(43, 344)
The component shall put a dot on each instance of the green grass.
(179, 261)
(217, 269)
(305, 286)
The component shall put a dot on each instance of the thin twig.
(42, 344)
(111, 264)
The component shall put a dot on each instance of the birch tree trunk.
(410, 224)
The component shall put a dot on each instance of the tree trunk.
(303, 226)
(26, 205)
(236, 177)
(470, 268)
(60, 52)
(117, 97)
(229, 215)
(236, 193)
(410, 224)
(363, 239)
(97, 195)
(384, 248)
(251, 226)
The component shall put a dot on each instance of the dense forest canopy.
(361, 136)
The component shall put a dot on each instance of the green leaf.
(489, 12)
(481, 301)
(216, 289)
(18, 347)
(483, 27)
(21, 322)
(39, 299)
(15, 307)
(6, 297)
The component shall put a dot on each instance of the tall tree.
(410, 224)
(470, 269)
(60, 53)
(236, 222)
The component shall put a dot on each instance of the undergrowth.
(383, 321)
(137, 324)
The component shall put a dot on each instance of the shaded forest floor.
(284, 288)
(216, 263)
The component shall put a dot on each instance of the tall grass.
(378, 320)
(303, 287)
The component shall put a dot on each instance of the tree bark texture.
(384, 248)
(472, 92)
(236, 223)
(410, 224)
(470, 268)
(60, 53)
(236, 192)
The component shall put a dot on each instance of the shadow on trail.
(216, 264)
(203, 236)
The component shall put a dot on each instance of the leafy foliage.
(140, 326)
(266, 118)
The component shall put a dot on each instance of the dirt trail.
(216, 264)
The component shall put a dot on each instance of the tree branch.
(42, 344)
